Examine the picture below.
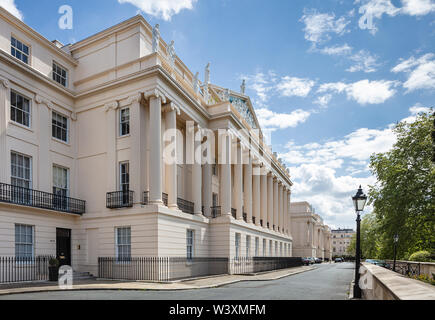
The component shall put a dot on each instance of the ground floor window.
(248, 246)
(24, 241)
(270, 248)
(189, 244)
(123, 243)
(257, 244)
(237, 245)
(264, 247)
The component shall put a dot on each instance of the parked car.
(376, 262)
(337, 260)
(318, 260)
(306, 261)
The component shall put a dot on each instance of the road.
(326, 282)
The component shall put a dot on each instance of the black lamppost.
(359, 201)
(396, 240)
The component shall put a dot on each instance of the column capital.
(5, 83)
(156, 93)
(41, 100)
(137, 98)
(114, 105)
(171, 107)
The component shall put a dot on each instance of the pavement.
(193, 284)
(322, 282)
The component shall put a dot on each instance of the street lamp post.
(396, 240)
(359, 201)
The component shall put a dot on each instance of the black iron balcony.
(119, 199)
(146, 198)
(186, 206)
(234, 213)
(261, 222)
(39, 199)
(216, 212)
(245, 216)
(165, 199)
(253, 220)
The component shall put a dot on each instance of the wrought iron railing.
(245, 216)
(13, 269)
(119, 199)
(216, 212)
(245, 265)
(186, 206)
(234, 213)
(165, 199)
(161, 269)
(254, 219)
(146, 198)
(39, 199)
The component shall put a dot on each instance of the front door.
(63, 246)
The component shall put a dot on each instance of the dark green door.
(63, 246)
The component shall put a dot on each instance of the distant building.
(340, 241)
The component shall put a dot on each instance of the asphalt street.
(326, 282)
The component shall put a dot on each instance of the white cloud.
(421, 72)
(292, 86)
(323, 100)
(319, 26)
(164, 9)
(364, 91)
(417, 7)
(271, 120)
(262, 84)
(10, 6)
(337, 50)
(364, 62)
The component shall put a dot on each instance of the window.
(189, 246)
(19, 50)
(60, 75)
(124, 181)
(237, 246)
(270, 248)
(123, 243)
(59, 127)
(21, 170)
(257, 244)
(248, 246)
(23, 241)
(215, 200)
(20, 109)
(124, 122)
(280, 249)
(264, 247)
(60, 187)
(215, 168)
(276, 248)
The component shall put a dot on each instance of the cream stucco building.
(83, 162)
(311, 237)
(341, 239)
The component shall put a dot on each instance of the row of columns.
(265, 198)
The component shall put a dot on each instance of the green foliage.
(53, 262)
(425, 278)
(421, 256)
(403, 199)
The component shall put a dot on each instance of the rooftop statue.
(156, 38)
(171, 54)
(243, 87)
(196, 83)
(207, 74)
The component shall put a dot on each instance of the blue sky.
(328, 77)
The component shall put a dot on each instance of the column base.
(158, 202)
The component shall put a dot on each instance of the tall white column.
(280, 208)
(270, 197)
(197, 175)
(238, 183)
(111, 158)
(285, 211)
(275, 204)
(4, 98)
(248, 189)
(170, 155)
(137, 138)
(207, 173)
(156, 148)
(226, 188)
(264, 194)
(256, 195)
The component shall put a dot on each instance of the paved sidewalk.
(210, 282)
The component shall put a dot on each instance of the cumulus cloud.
(272, 120)
(164, 9)
(418, 7)
(364, 91)
(323, 100)
(10, 6)
(364, 61)
(421, 72)
(320, 26)
(292, 86)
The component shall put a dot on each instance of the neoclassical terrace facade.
(311, 237)
(84, 168)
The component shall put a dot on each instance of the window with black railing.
(245, 216)
(216, 212)
(119, 199)
(234, 213)
(186, 206)
(39, 199)
(165, 199)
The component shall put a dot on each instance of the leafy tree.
(404, 196)
(369, 238)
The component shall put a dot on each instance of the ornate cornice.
(157, 93)
(137, 98)
(111, 106)
(171, 107)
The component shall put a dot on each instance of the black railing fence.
(216, 212)
(186, 206)
(24, 269)
(119, 199)
(244, 265)
(165, 199)
(405, 268)
(160, 269)
(39, 199)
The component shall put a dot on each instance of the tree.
(404, 196)
(369, 238)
